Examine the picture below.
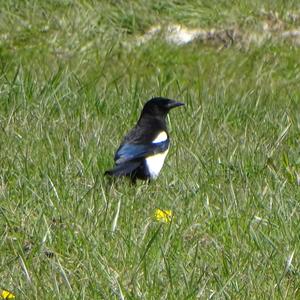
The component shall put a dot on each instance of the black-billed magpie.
(142, 152)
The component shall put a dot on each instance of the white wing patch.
(162, 136)
(155, 162)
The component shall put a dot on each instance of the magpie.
(143, 150)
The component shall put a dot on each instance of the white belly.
(155, 162)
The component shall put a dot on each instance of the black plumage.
(143, 150)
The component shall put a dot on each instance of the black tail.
(125, 169)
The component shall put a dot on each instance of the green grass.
(72, 82)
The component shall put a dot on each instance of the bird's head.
(160, 106)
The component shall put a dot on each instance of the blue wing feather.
(128, 152)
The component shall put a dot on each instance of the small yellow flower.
(7, 295)
(163, 215)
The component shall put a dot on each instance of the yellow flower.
(163, 215)
(7, 295)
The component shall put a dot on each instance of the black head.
(159, 106)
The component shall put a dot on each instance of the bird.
(144, 148)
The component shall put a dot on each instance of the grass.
(72, 82)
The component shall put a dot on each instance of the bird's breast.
(155, 162)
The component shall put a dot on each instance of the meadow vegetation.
(73, 80)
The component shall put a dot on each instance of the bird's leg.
(133, 180)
